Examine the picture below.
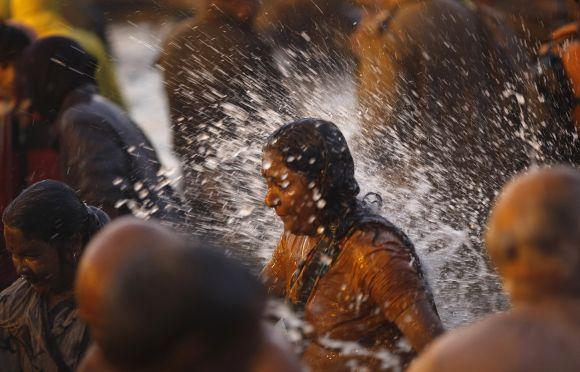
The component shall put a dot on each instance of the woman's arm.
(394, 284)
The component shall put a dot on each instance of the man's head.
(533, 234)
(46, 229)
(152, 300)
(13, 41)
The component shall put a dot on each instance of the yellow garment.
(43, 17)
(4, 9)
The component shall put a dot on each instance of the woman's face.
(38, 262)
(296, 200)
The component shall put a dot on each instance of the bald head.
(533, 233)
(161, 301)
(107, 255)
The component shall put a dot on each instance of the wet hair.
(318, 150)
(52, 212)
(13, 42)
(49, 70)
(164, 296)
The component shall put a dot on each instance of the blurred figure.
(534, 240)
(439, 96)
(103, 153)
(154, 304)
(533, 20)
(46, 229)
(557, 75)
(44, 18)
(220, 78)
(87, 15)
(314, 34)
(13, 41)
(353, 275)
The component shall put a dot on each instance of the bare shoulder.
(513, 341)
(468, 348)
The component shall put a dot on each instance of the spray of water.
(464, 284)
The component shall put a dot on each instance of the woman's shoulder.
(373, 234)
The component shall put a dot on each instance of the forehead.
(273, 166)
(17, 242)
(272, 163)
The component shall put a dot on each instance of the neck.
(338, 220)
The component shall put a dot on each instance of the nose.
(21, 268)
(272, 200)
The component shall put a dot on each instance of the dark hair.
(164, 296)
(49, 70)
(52, 212)
(318, 150)
(13, 42)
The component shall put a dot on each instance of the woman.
(354, 275)
(46, 229)
(103, 153)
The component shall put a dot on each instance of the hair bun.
(96, 219)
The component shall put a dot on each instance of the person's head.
(310, 175)
(533, 234)
(49, 70)
(13, 41)
(152, 300)
(46, 229)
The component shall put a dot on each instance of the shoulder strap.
(311, 269)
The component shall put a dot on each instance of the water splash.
(464, 285)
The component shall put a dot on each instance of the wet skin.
(291, 195)
(39, 262)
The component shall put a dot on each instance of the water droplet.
(316, 195)
(321, 204)
(245, 212)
